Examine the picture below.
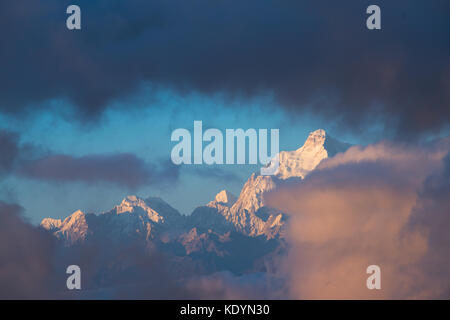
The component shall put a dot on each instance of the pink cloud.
(355, 211)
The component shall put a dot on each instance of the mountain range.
(228, 233)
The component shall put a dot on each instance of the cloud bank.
(383, 205)
(313, 56)
(9, 151)
(26, 257)
(123, 169)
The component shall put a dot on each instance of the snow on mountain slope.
(249, 213)
(224, 198)
(72, 229)
(215, 215)
(292, 164)
(251, 196)
(133, 218)
(51, 224)
(132, 203)
(156, 209)
(317, 147)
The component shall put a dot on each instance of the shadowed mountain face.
(228, 233)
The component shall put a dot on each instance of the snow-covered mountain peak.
(128, 203)
(75, 217)
(50, 223)
(250, 212)
(251, 196)
(133, 217)
(131, 198)
(73, 228)
(315, 139)
(134, 204)
(298, 163)
(225, 197)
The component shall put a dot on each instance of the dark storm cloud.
(433, 213)
(313, 55)
(26, 257)
(217, 173)
(12, 151)
(9, 151)
(123, 169)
